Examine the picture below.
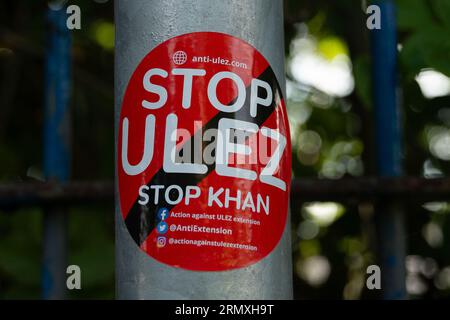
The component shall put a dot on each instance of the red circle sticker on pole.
(204, 154)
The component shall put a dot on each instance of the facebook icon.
(163, 214)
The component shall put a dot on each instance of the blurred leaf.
(363, 80)
(309, 248)
(442, 9)
(316, 24)
(331, 47)
(427, 49)
(20, 247)
(413, 15)
(89, 232)
(103, 33)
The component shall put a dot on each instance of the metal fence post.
(140, 26)
(389, 219)
(56, 151)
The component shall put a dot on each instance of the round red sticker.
(204, 154)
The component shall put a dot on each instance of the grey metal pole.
(141, 25)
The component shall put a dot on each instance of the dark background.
(332, 122)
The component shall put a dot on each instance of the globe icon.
(179, 57)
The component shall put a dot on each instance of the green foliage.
(362, 73)
(343, 128)
(20, 241)
(427, 44)
(92, 248)
(91, 229)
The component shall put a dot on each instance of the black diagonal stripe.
(141, 219)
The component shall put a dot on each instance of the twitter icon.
(162, 227)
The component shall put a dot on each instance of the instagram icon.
(161, 242)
